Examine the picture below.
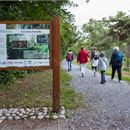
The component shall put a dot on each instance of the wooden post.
(56, 63)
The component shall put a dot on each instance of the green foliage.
(119, 30)
(22, 10)
(69, 98)
(39, 10)
(69, 34)
(33, 90)
(125, 72)
(36, 90)
(97, 33)
(105, 34)
(126, 78)
(8, 76)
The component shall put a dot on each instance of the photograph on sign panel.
(26, 46)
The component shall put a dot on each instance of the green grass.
(126, 78)
(35, 90)
(125, 72)
(69, 98)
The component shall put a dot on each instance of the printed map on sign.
(22, 43)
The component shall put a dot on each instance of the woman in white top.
(94, 62)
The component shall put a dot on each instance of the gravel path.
(109, 103)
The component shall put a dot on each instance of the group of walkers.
(98, 62)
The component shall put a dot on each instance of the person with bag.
(82, 59)
(94, 60)
(69, 59)
(116, 63)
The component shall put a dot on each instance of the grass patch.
(35, 90)
(69, 98)
(126, 78)
(125, 72)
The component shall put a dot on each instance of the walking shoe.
(101, 82)
(120, 81)
(83, 75)
(94, 74)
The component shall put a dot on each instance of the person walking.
(82, 59)
(94, 60)
(102, 65)
(69, 59)
(116, 63)
(94, 49)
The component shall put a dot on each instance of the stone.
(21, 114)
(10, 118)
(40, 117)
(7, 114)
(1, 114)
(62, 110)
(2, 117)
(31, 114)
(13, 114)
(22, 110)
(1, 121)
(24, 116)
(33, 117)
(47, 116)
(39, 113)
(17, 118)
(55, 116)
(45, 109)
(62, 116)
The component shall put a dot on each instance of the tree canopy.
(41, 10)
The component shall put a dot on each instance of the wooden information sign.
(26, 45)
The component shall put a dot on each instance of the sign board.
(32, 45)
(25, 44)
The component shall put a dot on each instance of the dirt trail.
(110, 102)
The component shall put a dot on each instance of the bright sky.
(98, 9)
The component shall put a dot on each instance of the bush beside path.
(109, 103)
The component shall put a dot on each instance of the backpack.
(119, 56)
(69, 56)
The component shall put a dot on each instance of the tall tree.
(40, 10)
(96, 31)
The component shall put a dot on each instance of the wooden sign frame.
(54, 56)
(32, 67)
